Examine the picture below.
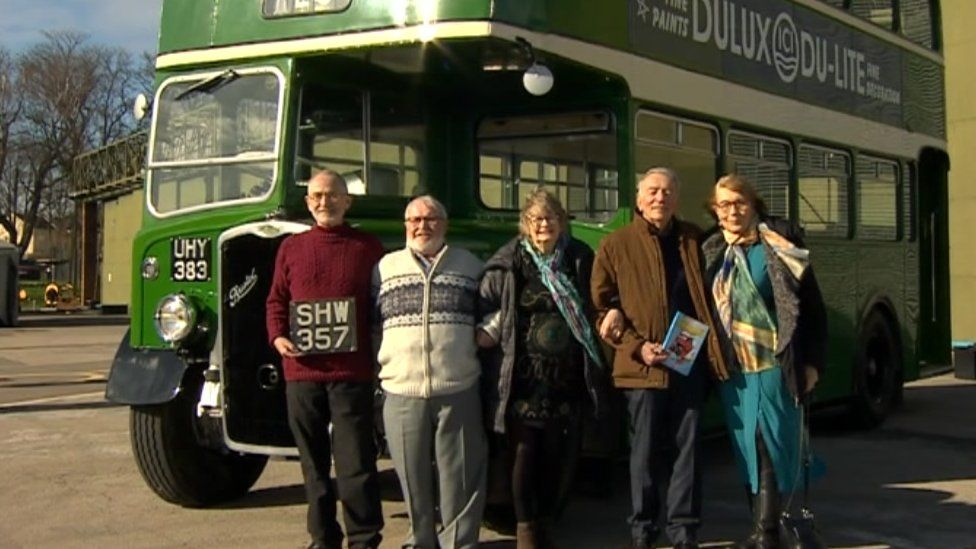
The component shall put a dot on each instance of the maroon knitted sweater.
(318, 264)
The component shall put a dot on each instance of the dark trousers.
(544, 464)
(349, 407)
(664, 456)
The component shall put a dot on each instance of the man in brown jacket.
(644, 273)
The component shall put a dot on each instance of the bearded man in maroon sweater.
(317, 318)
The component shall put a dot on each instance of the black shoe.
(324, 545)
(759, 540)
(686, 545)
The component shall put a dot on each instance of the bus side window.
(877, 199)
(690, 148)
(573, 155)
(909, 188)
(766, 161)
(823, 176)
(331, 131)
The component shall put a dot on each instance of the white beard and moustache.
(428, 248)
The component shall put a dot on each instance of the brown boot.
(525, 536)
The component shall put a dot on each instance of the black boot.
(765, 505)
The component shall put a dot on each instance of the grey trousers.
(448, 431)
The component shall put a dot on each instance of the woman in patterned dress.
(547, 361)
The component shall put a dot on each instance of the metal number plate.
(324, 326)
(190, 259)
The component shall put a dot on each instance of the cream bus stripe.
(648, 80)
(324, 43)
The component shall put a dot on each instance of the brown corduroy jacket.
(628, 274)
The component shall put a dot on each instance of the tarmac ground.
(70, 479)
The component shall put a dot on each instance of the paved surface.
(51, 318)
(55, 360)
(69, 479)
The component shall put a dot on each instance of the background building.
(959, 47)
(49, 246)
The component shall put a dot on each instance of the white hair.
(666, 172)
(431, 202)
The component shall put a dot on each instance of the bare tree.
(65, 96)
(10, 110)
(145, 81)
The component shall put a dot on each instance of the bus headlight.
(175, 318)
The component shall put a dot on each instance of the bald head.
(328, 199)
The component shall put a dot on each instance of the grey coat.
(801, 316)
(498, 294)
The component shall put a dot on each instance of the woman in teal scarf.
(545, 360)
(771, 311)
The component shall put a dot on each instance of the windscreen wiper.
(211, 84)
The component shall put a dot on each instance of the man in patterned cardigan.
(426, 296)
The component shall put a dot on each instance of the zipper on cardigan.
(428, 275)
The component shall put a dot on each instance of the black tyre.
(877, 372)
(174, 463)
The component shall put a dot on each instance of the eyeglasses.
(328, 197)
(540, 219)
(417, 220)
(727, 206)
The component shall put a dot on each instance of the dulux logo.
(792, 51)
(240, 291)
(771, 39)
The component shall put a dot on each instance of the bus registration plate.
(191, 259)
(323, 326)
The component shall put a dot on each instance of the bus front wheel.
(877, 371)
(176, 466)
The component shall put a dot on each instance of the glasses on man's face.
(315, 198)
(729, 205)
(418, 220)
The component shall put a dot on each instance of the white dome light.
(537, 79)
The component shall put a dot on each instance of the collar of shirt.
(426, 263)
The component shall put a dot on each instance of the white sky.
(129, 24)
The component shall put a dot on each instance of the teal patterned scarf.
(741, 310)
(565, 295)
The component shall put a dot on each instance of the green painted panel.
(191, 24)
(186, 24)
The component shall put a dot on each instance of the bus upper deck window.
(280, 8)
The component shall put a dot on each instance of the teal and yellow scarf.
(741, 310)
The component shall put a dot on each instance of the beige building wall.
(19, 225)
(122, 218)
(960, 49)
(45, 243)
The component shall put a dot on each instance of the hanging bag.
(799, 530)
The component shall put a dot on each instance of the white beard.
(427, 248)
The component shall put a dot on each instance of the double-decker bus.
(834, 109)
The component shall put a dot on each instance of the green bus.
(834, 109)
